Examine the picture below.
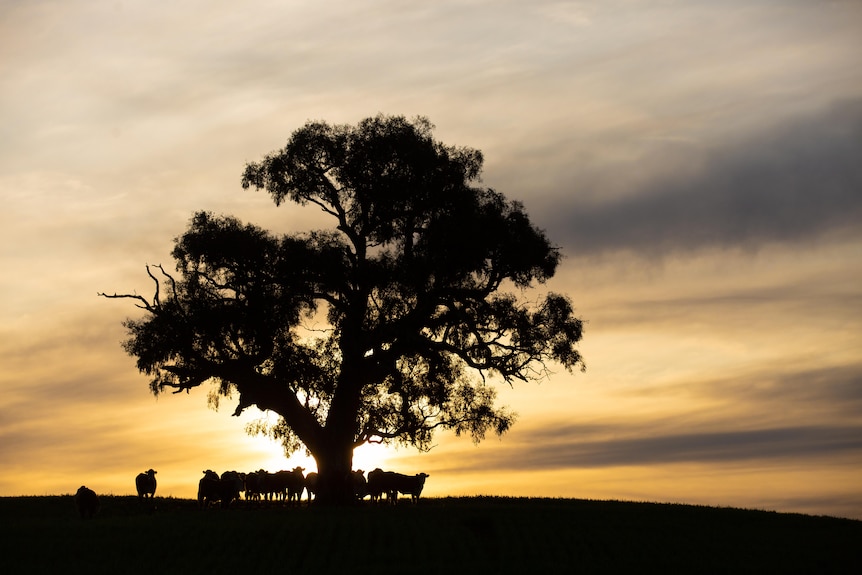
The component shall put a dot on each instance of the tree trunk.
(334, 481)
(334, 455)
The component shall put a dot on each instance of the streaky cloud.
(570, 447)
(836, 387)
(798, 182)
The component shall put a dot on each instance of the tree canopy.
(382, 328)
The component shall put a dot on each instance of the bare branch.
(143, 305)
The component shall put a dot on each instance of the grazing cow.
(87, 502)
(212, 489)
(311, 485)
(146, 484)
(392, 483)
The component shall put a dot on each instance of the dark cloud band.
(566, 448)
(798, 182)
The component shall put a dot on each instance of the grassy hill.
(446, 535)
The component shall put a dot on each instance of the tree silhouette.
(381, 329)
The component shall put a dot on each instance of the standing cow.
(209, 489)
(214, 489)
(360, 484)
(311, 485)
(87, 502)
(295, 482)
(146, 484)
(231, 485)
(375, 485)
(254, 485)
(411, 485)
(390, 484)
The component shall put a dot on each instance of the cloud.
(559, 446)
(718, 446)
(765, 417)
(798, 182)
(834, 390)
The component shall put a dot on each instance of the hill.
(445, 535)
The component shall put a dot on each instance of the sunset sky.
(698, 162)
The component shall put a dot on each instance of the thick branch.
(267, 394)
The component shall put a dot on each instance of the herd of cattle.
(285, 487)
(289, 486)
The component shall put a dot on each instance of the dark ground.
(446, 535)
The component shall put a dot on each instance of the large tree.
(385, 327)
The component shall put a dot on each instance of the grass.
(446, 535)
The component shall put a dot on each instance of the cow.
(375, 484)
(360, 484)
(411, 485)
(311, 485)
(253, 485)
(266, 484)
(294, 480)
(391, 483)
(146, 484)
(232, 485)
(209, 488)
(212, 489)
(87, 502)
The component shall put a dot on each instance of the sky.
(699, 164)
